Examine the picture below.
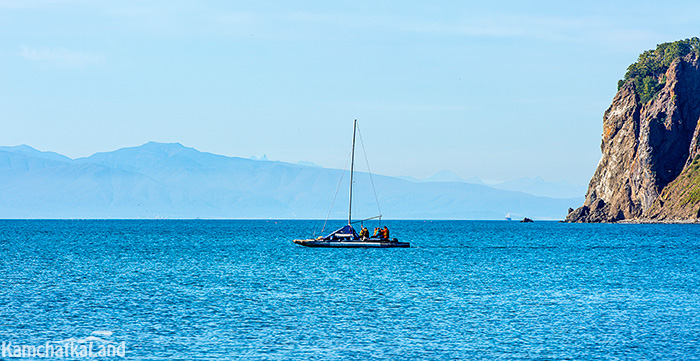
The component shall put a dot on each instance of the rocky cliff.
(650, 169)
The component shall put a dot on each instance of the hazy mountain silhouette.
(539, 187)
(535, 186)
(174, 181)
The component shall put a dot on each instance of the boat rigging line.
(337, 190)
(351, 159)
(369, 171)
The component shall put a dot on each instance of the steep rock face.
(645, 148)
(679, 199)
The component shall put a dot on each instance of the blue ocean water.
(465, 290)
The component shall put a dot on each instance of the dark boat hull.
(352, 243)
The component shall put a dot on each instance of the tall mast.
(352, 169)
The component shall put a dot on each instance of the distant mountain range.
(157, 180)
(535, 186)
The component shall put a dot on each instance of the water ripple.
(465, 290)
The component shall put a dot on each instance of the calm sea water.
(465, 290)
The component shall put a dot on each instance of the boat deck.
(370, 243)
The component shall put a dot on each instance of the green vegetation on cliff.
(648, 72)
(680, 199)
(692, 173)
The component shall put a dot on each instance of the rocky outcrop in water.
(650, 170)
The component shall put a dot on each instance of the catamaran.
(347, 237)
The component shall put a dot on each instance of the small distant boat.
(508, 218)
(347, 237)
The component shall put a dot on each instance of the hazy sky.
(497, 89)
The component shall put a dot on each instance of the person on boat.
(385, 233)
(377, 232)
(364, 233)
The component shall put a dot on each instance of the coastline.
(653, 221)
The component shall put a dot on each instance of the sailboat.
(347, 237)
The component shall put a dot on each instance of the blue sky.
(498, 90)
